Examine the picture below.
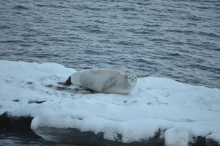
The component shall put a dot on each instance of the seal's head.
(132, 79)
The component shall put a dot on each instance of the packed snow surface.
(182, 111)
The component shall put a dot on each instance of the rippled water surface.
(174, 39)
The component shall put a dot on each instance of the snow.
(179, 110)
(215, 137)
(177, 137)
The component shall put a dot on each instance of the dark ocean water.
(174, 39)
(163, 38)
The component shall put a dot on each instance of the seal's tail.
(67, 82)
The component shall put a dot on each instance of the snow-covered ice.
(179, 110)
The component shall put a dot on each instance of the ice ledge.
(75, 136)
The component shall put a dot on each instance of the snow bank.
(180, 111)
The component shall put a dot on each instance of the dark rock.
(7, 121)
(199, 141)
(4, 121)
(203, 141)
(29, 83)
(16, 100)
(75, 136)
(37, 102)
(210, 142)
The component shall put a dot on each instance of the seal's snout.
(133, 80)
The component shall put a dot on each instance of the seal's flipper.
(74, 90)
(108, 84)
(67, 82)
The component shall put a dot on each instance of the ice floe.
(180, 111)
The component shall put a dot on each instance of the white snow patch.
(182, 111)
(176, 137)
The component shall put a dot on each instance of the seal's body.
(103, 80)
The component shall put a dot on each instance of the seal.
(103, 80)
